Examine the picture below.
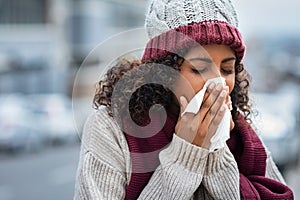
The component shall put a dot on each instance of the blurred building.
(33, 45)
(273, 61)
(93, 21)
(43, 42)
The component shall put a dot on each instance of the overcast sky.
(268, 16)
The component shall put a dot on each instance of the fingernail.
(211, 86)
(227, 88)
(223, 108)
(219, 87)
(223, 93)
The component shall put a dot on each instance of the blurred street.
(47, 175)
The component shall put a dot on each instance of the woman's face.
(203, 63)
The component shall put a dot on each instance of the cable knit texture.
(164, 15)
(173, 25)
(184, 171)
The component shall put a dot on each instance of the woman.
(129, 153)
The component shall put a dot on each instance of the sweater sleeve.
(103, 165)
(180, 172)
(221, 177)
(188, 171)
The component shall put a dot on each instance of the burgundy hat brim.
(191, 35)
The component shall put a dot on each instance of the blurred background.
(43, 43)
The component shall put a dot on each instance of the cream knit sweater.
(105, 166)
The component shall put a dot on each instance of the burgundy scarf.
(243, 143)
(250, 156)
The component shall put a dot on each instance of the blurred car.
(30, 122)
(17, 132)
(19, 138)
(53, 114)
(279, 126)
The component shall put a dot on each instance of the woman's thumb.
(183, 103)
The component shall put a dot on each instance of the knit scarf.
(244, 144)
(250, 156)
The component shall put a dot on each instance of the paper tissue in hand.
(222, 133)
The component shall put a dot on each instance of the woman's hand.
(199, 128)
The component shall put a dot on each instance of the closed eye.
(199, 71)
(227, 71)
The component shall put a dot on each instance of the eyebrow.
(208, 60)
(228, 59)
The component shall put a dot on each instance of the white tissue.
(222, 133)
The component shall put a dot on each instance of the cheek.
(188, 84)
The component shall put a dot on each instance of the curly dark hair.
(142, 97)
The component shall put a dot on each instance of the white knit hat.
(204, 21)
(164, 15)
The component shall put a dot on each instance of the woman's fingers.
(183, 104)
(184, 128)
(217, 105)
(216, 110)
(211, 115)
(199, 128)
(213, 126)
(209, 101)
(210, 88)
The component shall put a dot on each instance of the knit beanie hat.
(173, 25)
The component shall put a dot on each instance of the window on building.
(23, 11)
